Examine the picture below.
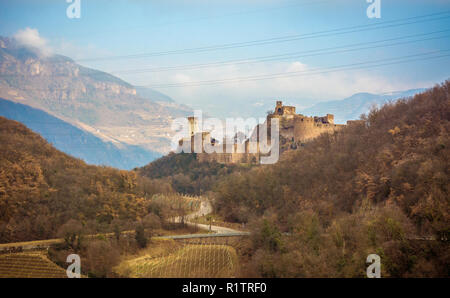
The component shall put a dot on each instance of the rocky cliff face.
(92, 100)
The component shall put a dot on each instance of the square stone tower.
(193, 126)
(281, 110)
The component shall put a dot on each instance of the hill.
(95, 101)
(186, 174)
(77, 142)
(42, 189)
(379, 186)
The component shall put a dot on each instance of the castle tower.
(330, 118)
(193, 126)
(279, 108)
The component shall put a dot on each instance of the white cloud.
(68, 48)
(30, 38)
(236, 95)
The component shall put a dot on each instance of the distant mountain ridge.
(352, 107)
(153, 94)
(76, 142)
(349, 108)
(92, 100)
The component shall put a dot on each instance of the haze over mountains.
(77, 142)
(349, 108)
(352, 107)
(94, 101)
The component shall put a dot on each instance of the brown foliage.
(42, 188)
(369, 188)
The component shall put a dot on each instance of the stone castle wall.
(306, 129)
(294, 127)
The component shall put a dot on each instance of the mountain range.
(353, 107)
(349, 108)
(92, 100)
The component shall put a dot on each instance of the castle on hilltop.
(295, 128)
(299, 128)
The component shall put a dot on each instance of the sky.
(300, 50)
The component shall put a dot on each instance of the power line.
(352, 66)
(286, 56)
(281, 75)
(345, 30)
(292, 55)
(360, 65)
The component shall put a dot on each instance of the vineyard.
(175, 205)
(200, 260)
(29, 265)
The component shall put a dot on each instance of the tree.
(117, 231)
(101, 257)
(140, 237)
(72, 232)
(150, 222)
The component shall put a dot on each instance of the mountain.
(153, 94)
(92, 100)
(43, 189)
(257, 108)
(77, 142)
(352, 107)
(344, 109)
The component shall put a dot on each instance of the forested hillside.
(380, 186)
(42, 188)
(186, 174)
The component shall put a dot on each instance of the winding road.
(205, 209)
(218, 231)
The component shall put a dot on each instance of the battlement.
(300, 128)
(282, 110)
(294, 127)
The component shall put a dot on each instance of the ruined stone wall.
(229, 158)
(293, 127)
(305, 128)
(286, 124)
(287, 110)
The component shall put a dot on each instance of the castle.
(295, 128)
(299, 128)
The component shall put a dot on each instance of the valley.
(262, 145)
(99, 103)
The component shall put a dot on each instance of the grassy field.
(182, 260)
(29, 265)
